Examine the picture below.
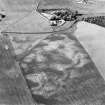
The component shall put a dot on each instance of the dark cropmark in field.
(57, 70)
(63, 73)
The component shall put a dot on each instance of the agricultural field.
(45, 61)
